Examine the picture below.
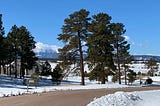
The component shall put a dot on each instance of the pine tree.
(22, 44)
(95, 74)
(57, 74)
(74, 33)
(125, 58)
(152, 66)
(2, 32)
(26, 46)
(4, 55)
(13, 42)
(131, 76)
(99, 45)
(46, 69)
(119, 43)
(3, 48)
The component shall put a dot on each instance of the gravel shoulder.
(65, 98)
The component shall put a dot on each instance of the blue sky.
(44, 19)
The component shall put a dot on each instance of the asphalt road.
(64, 98)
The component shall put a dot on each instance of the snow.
(141, 98)
(149, 98)
(155, 78)
(141, 67)
(11, 86)
(53, 65)
(117, 99)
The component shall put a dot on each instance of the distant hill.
(46, 51)
(47, 54)
(145, 57)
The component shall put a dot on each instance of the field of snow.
(142, 98)
(11, 86)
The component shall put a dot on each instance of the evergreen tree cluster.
(131, 76)
(57, 74)
(46, 69)
(18, 44)
(99, 38)
(152, 65)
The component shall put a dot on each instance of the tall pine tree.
(3, 46)
(22, 44)
(125, 59)
(74, 33)
(120, 45)
(152, 65)
(1, 41)
(26, 46)
(13, 43)
(100, 46)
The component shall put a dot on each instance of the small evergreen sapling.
(114, 78)
(46, 69)
(57, 74)
(131, 76)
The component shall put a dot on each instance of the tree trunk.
(103, 79)
(27, 72)
(0, 70)
(15, 67)
(125, 77)
(118, 63)
(22, 69)
(4, 69)
(119, 73)
(81, 60)
(10, 68)
(7, 70)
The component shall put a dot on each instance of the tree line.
(96, 36)
(94, 40)
(18, 44)
(100, 39)
(16, 52)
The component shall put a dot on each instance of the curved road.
(64, 98)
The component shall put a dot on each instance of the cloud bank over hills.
(41, 47)
(46, 51)
(51, 52)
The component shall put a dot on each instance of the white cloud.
(41, 47)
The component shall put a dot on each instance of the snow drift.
(117, 99)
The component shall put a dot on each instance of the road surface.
(64, 98)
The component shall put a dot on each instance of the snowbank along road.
(65, 98)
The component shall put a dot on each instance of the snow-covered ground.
(11, 86)
(142, 98)
(138, 98)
